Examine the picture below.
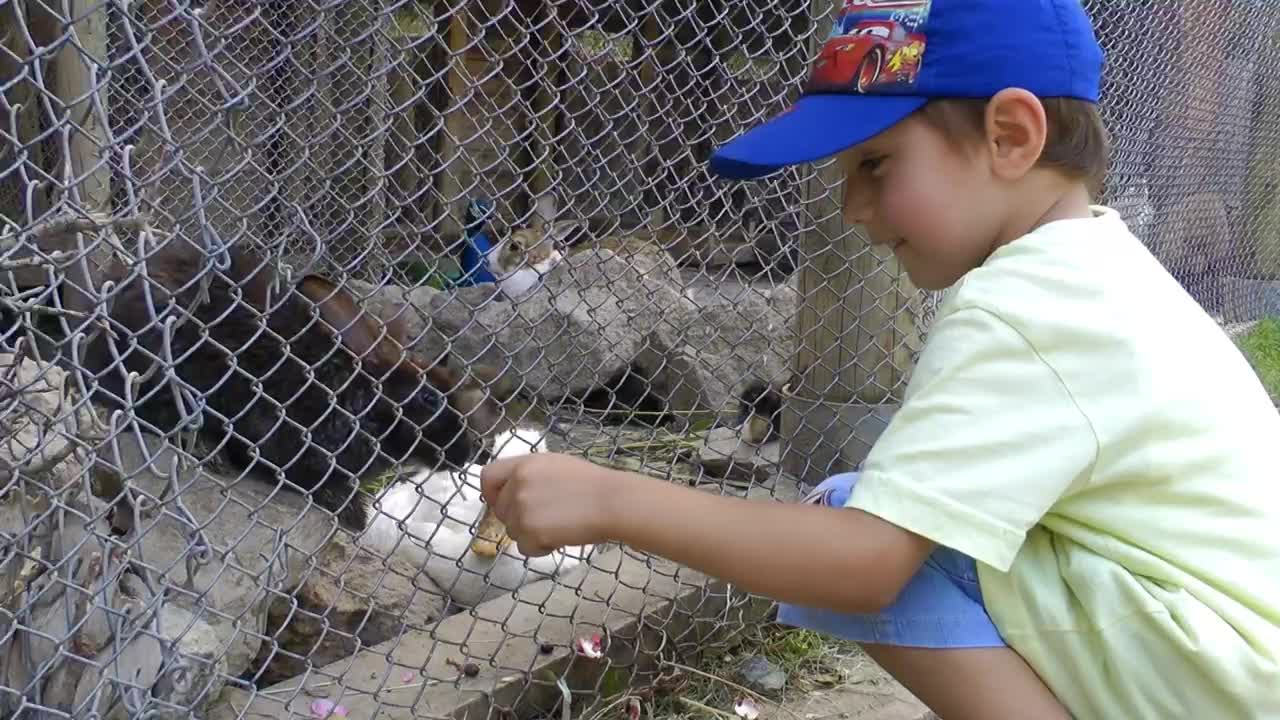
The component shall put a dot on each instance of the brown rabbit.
(528, 253)
(298, 381)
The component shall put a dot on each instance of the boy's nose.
(857, 205)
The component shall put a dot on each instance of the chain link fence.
(242, 255)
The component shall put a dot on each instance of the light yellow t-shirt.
(1085, 431)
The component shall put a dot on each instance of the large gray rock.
(233, 546)
(73, 586)
(739, 331)
(277, 568)
(258, 579)
(599, 314)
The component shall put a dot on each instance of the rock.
(71, 590)
(725, 454)
(258, 539)
(204, 664)
(351, 594)
(758, 674)
(39, 426)
(739, 331)
(385, 301)
(1196, 250)
(600, 315)
(278, 568)
(593, 317)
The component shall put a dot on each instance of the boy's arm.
(840, 559)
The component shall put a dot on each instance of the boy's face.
(935, 203)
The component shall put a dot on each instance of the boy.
(1074, 511)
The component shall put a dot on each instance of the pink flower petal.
(589, 646)
(327, 709)
(747, 708)
(633, 708)
(406, 677)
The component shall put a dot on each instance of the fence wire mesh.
(239, 256)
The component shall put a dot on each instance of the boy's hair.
(1076, 141)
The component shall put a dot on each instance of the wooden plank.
(364, 193)
(80, 86)
(82, 56)
(20, 100)
(402, 161)
(546, 103)
(645, 45)
(449, 183)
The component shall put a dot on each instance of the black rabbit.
(272, 370)
(760, 408)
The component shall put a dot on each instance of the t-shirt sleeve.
(986, 441)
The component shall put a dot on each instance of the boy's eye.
(871, 164)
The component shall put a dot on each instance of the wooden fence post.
(80, 84)
(856, 329)
(544, 106)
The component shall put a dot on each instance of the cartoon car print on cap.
(873, 44)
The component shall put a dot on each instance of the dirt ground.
(867, 693)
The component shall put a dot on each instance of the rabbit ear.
(397, 327)
(359, 331)
(544, 210)
(258, 278)
(562, 230)
(443, 378)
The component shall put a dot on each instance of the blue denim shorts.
(941, 606)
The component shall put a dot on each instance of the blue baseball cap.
(885, 59)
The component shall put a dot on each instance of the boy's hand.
(550, 500)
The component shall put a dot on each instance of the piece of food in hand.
(491, 535)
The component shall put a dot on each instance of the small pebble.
(546, 648)
(470, 669)
(759, 674)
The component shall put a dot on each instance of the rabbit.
(429, 518)
(519, 262)
(760, 409)
(272, 371)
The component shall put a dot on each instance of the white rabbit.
(430, 520)
(520, 261)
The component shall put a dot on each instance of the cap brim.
(816, 127)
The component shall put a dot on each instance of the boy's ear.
(1016, 130)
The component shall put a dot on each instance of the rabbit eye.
(429, 395)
